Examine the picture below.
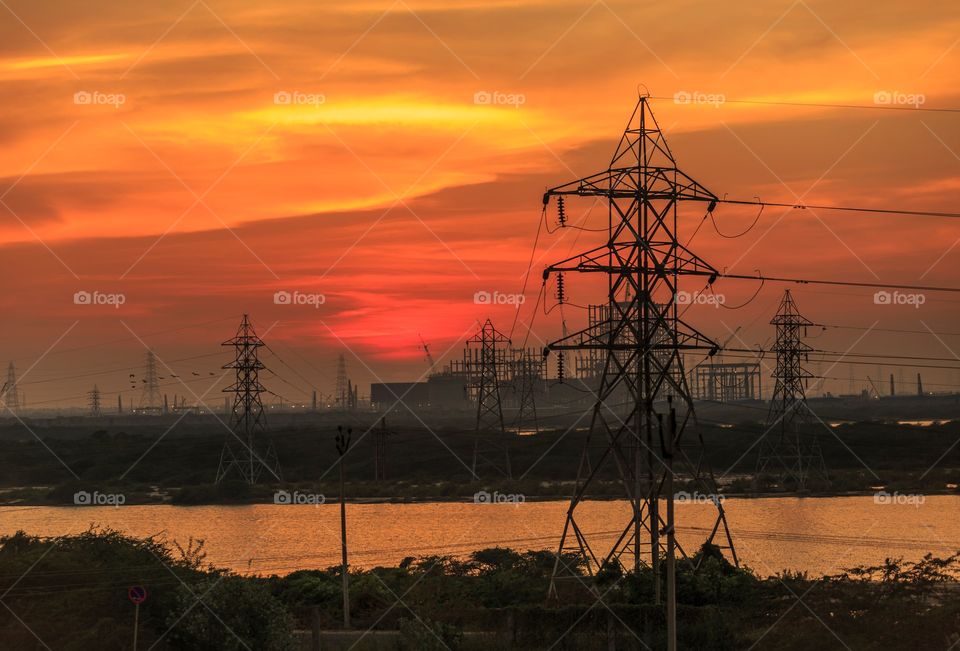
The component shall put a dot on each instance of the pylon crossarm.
(620, 183)
(601, 260)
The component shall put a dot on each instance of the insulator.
(561, 294)
(713, 204)
(560, 366)
(561, 212)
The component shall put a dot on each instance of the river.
(818, 535)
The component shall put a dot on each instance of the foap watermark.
(496, 497)
(496, 98)
(298, 98)
(899, 298)
(883, 497)
(498, 298)
(96, 498)
(683, 497)
(97, 98)
(83, 297)
(298, 298)
(899, 98)
(296, 497)
(701, 298)
(696, 97)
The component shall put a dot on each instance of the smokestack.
(166, 405)
(313, 404)
(893, 391)
(119, 404)
(919, 385)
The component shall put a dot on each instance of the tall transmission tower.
(527, 373)
(486, 357)
(94, 402)
(150, 396)
(786, 450)
(11, 396)
(246, 451)
(641, 339)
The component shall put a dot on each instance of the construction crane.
(425, 347)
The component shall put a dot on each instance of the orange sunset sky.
(187, 184)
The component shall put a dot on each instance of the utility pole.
(667, 442)
(343, 445)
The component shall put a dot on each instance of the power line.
(894, 330)
(876, 107)
(846, 361)
(811, 206)
(840, 283)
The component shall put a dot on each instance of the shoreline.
(142, 500)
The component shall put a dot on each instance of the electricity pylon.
(527, 372)
(641, 338)
(786, 450)
(11, 394)
(245, 450)
(94, 402)
(485, 361)
(150, 395)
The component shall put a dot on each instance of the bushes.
(229, 613)
(72, 590)
(427, 635)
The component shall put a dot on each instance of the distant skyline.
(197, 158)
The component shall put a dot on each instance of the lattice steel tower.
(641, 339)
(150, 395)
(528, 371)
(786, 450)
(486, 356)
(94, 402)
(246, 450)
(11, 394)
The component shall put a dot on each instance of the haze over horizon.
(192, 159)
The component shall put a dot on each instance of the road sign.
(137, 594)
